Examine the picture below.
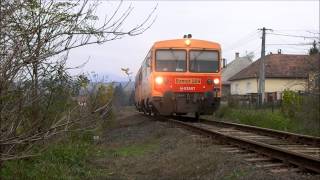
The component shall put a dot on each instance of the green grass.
(70, 160)
(63, 160)
(267, 119)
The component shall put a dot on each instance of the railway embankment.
(140, 147)
(133, 146)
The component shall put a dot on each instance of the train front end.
(186, 77)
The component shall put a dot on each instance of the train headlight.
(216, 81)
(159, 80)
(187, 42)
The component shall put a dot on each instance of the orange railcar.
(180, 76)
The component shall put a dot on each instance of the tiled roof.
(234, 67)
(281, 66)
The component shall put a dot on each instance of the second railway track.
(300, 151)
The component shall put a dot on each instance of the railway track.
(279, 151)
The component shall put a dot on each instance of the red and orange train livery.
(178, 77)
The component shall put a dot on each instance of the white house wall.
(245, 86)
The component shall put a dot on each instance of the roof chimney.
(224, 62)
(237, 55)
(279, 51)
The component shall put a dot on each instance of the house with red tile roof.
(282, 71)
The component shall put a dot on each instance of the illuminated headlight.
(159, 80)
(216, 81)
(187, 42)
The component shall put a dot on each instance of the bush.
(307, 117)
(303, 111)
(100, 95)
(291, 103)
(64, 160)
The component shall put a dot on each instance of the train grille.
(185, 95)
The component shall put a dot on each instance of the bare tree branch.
(36, 92)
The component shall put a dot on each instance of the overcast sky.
(232, 24)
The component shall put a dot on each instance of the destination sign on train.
(188, 81)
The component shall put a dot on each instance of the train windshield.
(172, 60)
(204, 61)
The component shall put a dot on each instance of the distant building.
(231, 69)
(282, 71)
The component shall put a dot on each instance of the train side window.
(140, 77)
(149, 64)
(136, 82)
(144, 68)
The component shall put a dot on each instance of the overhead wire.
(287, 45)
(296, 30)
(298, 47)
(299, 44)
(244, 40)
(291, 35)
(313, 32)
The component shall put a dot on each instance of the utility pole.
(262, 67)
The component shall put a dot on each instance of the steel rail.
(299, 138)
(301, 160)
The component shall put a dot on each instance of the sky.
(233, 24)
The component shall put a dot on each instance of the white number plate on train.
(187, 88)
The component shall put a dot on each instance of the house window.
(237, 89)
(248, 87)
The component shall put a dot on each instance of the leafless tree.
(35, 39)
